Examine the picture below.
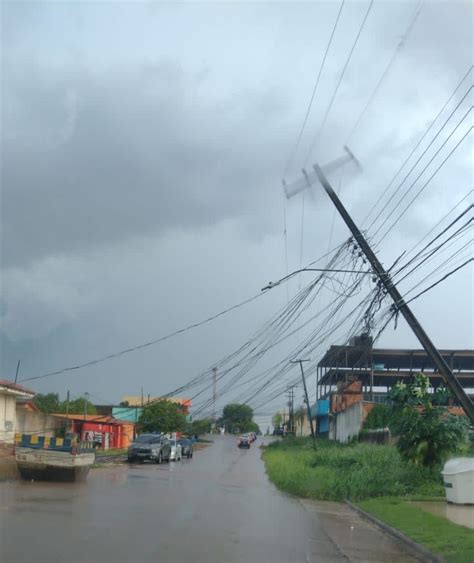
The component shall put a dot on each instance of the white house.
(9, 392)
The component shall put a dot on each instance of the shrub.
(427, 433)
(338, 471)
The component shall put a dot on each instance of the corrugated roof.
(138, 401)
(100, 419)
(16, 387)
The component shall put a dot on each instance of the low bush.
(355, 471)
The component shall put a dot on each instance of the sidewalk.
(355, 538)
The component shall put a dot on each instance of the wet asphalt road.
(218, 507)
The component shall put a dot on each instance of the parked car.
(244, 442)
(186, 447)
(150, 447)
(176, 450)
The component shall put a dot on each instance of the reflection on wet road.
(218, 507)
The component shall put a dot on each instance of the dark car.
(186, 447)
(244, 442)
(150, 447)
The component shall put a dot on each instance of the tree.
(162, 416)
(300, 416)
(427, 432)
(47, 403)
(277, 420)
(77, 406)
(199, 427)
(237, 418)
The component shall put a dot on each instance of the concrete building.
(352, 379)
(105, 431)
(30, 420)
(9, 392)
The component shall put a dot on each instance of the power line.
(341, 77)
(443, 218)
(313, 94)
(146, 344)
(420, 191)
(400, 45)
(445, 277)
(412, 152)
(424, 153)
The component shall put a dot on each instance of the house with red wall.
(105, 431)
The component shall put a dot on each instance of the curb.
(415, 548)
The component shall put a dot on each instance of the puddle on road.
(458, 514)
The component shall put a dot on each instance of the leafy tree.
(427, 432)
(199, 427)
(77, 406)
(237, 417)
(277, 420)
(47, 403)
(379, 417)
(300, 415)
(162, 416)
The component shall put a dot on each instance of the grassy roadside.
(453, 542)
(378, 480)
(339, 471)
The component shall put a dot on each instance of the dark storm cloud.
(92, 157)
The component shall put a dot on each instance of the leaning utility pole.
(399, 303)
(306, 400)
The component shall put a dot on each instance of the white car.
(176, 451)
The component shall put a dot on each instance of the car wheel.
(191, 454)
(160, 458)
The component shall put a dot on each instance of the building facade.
(9, 392)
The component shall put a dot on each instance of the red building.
(105, 431)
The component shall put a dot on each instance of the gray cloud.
(142, 150)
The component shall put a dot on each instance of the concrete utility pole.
(399, 303)
(17, 370)
(291, 408)
(214, 392)
(308, 408)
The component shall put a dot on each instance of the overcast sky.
(143, 147)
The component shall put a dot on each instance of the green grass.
(453, 542)
(339, 471)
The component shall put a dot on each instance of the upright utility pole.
(399, 303)
(214, 392)
(17, 370)
(291, 408)
(306, 400)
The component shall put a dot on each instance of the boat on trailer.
(53, 459)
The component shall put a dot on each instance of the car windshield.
(146, 439)
(184, 442)
(172, 442)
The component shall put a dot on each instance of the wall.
(7, 417)
(346, 424)
(30, 422)
(131, 414)
(302, 427)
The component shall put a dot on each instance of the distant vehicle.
(244, 442)
(151, 447)
(278, 432)
(252, 436)
(176, 450)
(186, 447)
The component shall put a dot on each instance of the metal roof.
(387, 378)
(394, 359)
(15, 388)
